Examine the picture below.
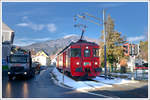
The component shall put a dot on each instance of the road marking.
(100, 95)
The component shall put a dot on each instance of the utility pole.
(105, 58)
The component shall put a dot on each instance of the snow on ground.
(85, 85)
(113, 81)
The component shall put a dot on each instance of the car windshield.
(18, 59)
(95, 52)
(76, 52)
(86, 53)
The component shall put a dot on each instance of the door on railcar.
(87, 61)
(64, 60)
(90, 59)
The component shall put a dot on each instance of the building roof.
(45, 52)
(6, 27)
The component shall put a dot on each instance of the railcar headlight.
(77, 63)
(96, 63)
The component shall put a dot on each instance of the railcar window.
(95, 52)
(76, 52)
(86, 53)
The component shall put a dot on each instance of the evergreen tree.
(114, 42)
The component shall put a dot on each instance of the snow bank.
(77, 85)
(113, 81)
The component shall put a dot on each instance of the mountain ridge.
(53, 46)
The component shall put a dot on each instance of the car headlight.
(25, 73)
(8, 72)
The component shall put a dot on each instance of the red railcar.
(80, 58)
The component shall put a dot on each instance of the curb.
(59, 83)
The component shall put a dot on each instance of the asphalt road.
(42, 86)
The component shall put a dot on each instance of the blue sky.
(37, 21)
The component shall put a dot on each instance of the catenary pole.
(104, 29)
